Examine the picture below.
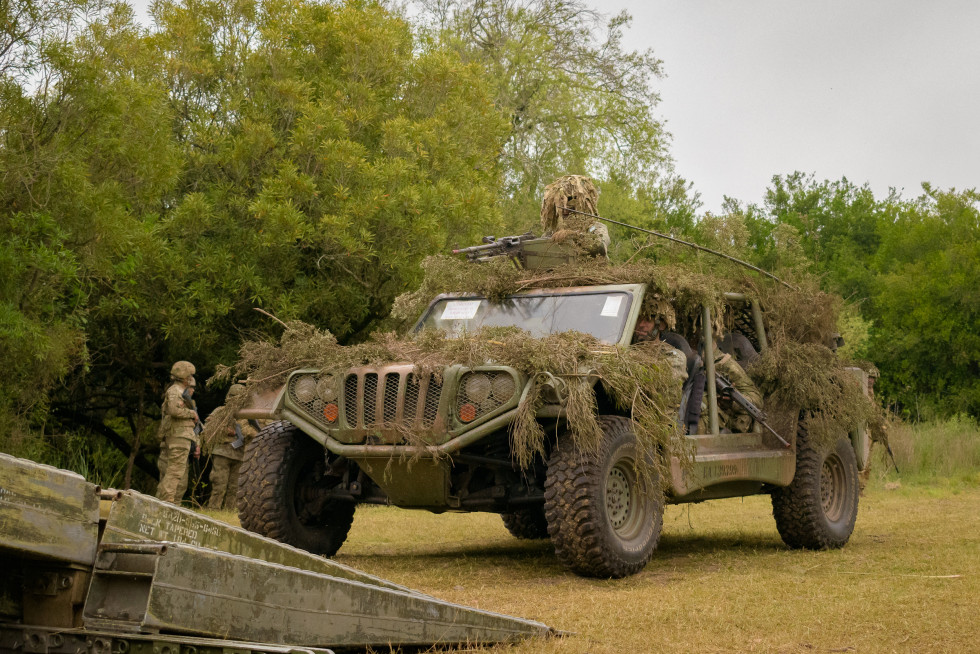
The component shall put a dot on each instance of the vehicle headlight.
(326, 388)
(304, 389)
(503, 387)
(477, 387)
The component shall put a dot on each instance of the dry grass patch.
(721, 581)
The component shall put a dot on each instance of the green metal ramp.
(137, 517)
(164, 580)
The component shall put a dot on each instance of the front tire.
(281, 481)
(603, 517)
(819, 508)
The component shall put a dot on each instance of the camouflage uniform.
(162, 462)
(226, 461)
(678, 363)
(731, 415)
(179, 438)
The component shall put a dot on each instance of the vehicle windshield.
(601, 314)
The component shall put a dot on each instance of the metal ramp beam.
(154, 587)
(137, 517)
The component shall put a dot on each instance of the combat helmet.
(183, 370)
(233, 390)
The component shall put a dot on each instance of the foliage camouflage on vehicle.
(569, 354)
(799, 368)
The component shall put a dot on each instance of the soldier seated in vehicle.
(731, 352)
(682, 357)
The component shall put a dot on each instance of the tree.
(296, 156)
(839, 226)
(909, 268)
(575, 100)
(927, 304)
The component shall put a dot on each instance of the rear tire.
(280, 479)
(527, 524)
(603, 518)
(819, 508)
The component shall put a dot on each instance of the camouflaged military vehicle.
(339, 439)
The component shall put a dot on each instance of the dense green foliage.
(910, 270)
(158, 185)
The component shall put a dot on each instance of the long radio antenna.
(687, 243)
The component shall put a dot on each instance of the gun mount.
(527, 251)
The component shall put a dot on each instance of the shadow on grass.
(720, 543)
(536, 559)
(477, 551)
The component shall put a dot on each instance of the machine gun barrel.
(492, 246)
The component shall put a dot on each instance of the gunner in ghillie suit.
(562, 199)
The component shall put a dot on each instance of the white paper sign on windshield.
(460, 310)
(611, 308)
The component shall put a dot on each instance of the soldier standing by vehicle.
(227, 457)
(180, 439)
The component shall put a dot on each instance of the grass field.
(721, 581)
(947, 451)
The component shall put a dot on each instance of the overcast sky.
(880, 91)
(884, 92)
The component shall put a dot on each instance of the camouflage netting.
(678, 287)
(799, 370)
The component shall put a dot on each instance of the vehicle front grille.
(391, 399)
(350, 400)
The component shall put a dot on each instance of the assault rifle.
(239, 441)
(239, 438)
(192, 405)
(505, 246)
(726, 389)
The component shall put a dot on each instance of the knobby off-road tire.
(818, 509)
(527, 524)
(603, 518)
(280, 467)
